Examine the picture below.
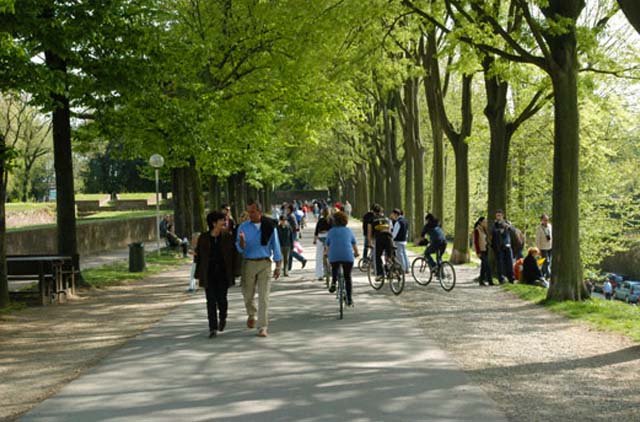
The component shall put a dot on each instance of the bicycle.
(443, 271)
(325, 264)
(364, 263)
(392, 271)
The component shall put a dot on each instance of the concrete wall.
(92, 237)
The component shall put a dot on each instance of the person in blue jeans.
(437, 240)
(341, 249)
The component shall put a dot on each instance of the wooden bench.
(55, 274)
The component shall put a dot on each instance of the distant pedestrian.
(544, 242)
(481, 244)
(607, 289)
(214, 269)
(257, 241)
(348, 208)
(295, 230)
(400, 233)
(501, 243)
(324, 224)
(286, 242)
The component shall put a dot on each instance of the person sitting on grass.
(531, 273)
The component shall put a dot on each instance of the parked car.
(615, 279)
(629, 291)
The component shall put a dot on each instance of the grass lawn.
(137, 195)
(118, 273)
(606, 315)
(90, 196)
(29, 206)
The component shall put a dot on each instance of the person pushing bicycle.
(437, 240)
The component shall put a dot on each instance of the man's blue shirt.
(252, 247)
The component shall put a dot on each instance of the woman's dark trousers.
(485, 268)
(346, 270)
(216, 294)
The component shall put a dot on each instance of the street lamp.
(156, 161)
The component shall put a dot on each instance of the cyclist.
(366, 221)
(379, 230)
(341, 249)
(437, 241)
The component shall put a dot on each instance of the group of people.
(507, 243)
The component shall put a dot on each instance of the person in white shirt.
(400, 233)
(544, 242)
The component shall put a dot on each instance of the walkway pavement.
(374, 365)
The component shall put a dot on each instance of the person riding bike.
(341, 249)
(437, 240)
(379, 230)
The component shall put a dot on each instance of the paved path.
(375, 365)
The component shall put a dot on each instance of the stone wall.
(92, 237)
(625, 262)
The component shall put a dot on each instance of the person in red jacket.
(481, 245)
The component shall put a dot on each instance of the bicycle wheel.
(396, 278)
(447, 276)
(327, 272)
(420, 271)
(371, 274)
(363, 265)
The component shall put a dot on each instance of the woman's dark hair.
(431, 220)
(340, 218)
(478, 221)
(214, 216)
(376, 208)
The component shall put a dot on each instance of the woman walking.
(341, 250)
(481, 243)
(214, 269)
(322, 228)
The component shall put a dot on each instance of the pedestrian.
(607, 289)
(229, 222)
(400, 233)
(324, 224)
(286, 242)
(295, 230)
(481, 243)
(544, 242)
(501, 243)
(348, 208)
(257, 241)
(366, 221)
(341, 251)
(214, 269)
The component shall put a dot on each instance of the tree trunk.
(499, 148)
(4, 283)
(433, 92)
(179, 204)
(460, 252)
(232, 197)
(199, 222)
(215, 201)
(566, 281)
(63, 162)
(418, 163)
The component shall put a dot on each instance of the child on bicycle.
(342, 250)
(437, 240)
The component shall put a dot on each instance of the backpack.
(517, 239)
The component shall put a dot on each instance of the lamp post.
(156, 161)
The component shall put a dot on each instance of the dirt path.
(43, 348)
(538, 366)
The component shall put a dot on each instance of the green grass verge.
(136, 195)
(13, 307)
(29, 206)
(118, 272)
(606, 315)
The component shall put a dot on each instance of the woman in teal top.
(341, 249)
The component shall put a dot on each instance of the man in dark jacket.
(501, 244)
(214, 269)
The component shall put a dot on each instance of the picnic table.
(55, 274)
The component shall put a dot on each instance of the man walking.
(501, 243)
(400, 235)
(257, 241)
